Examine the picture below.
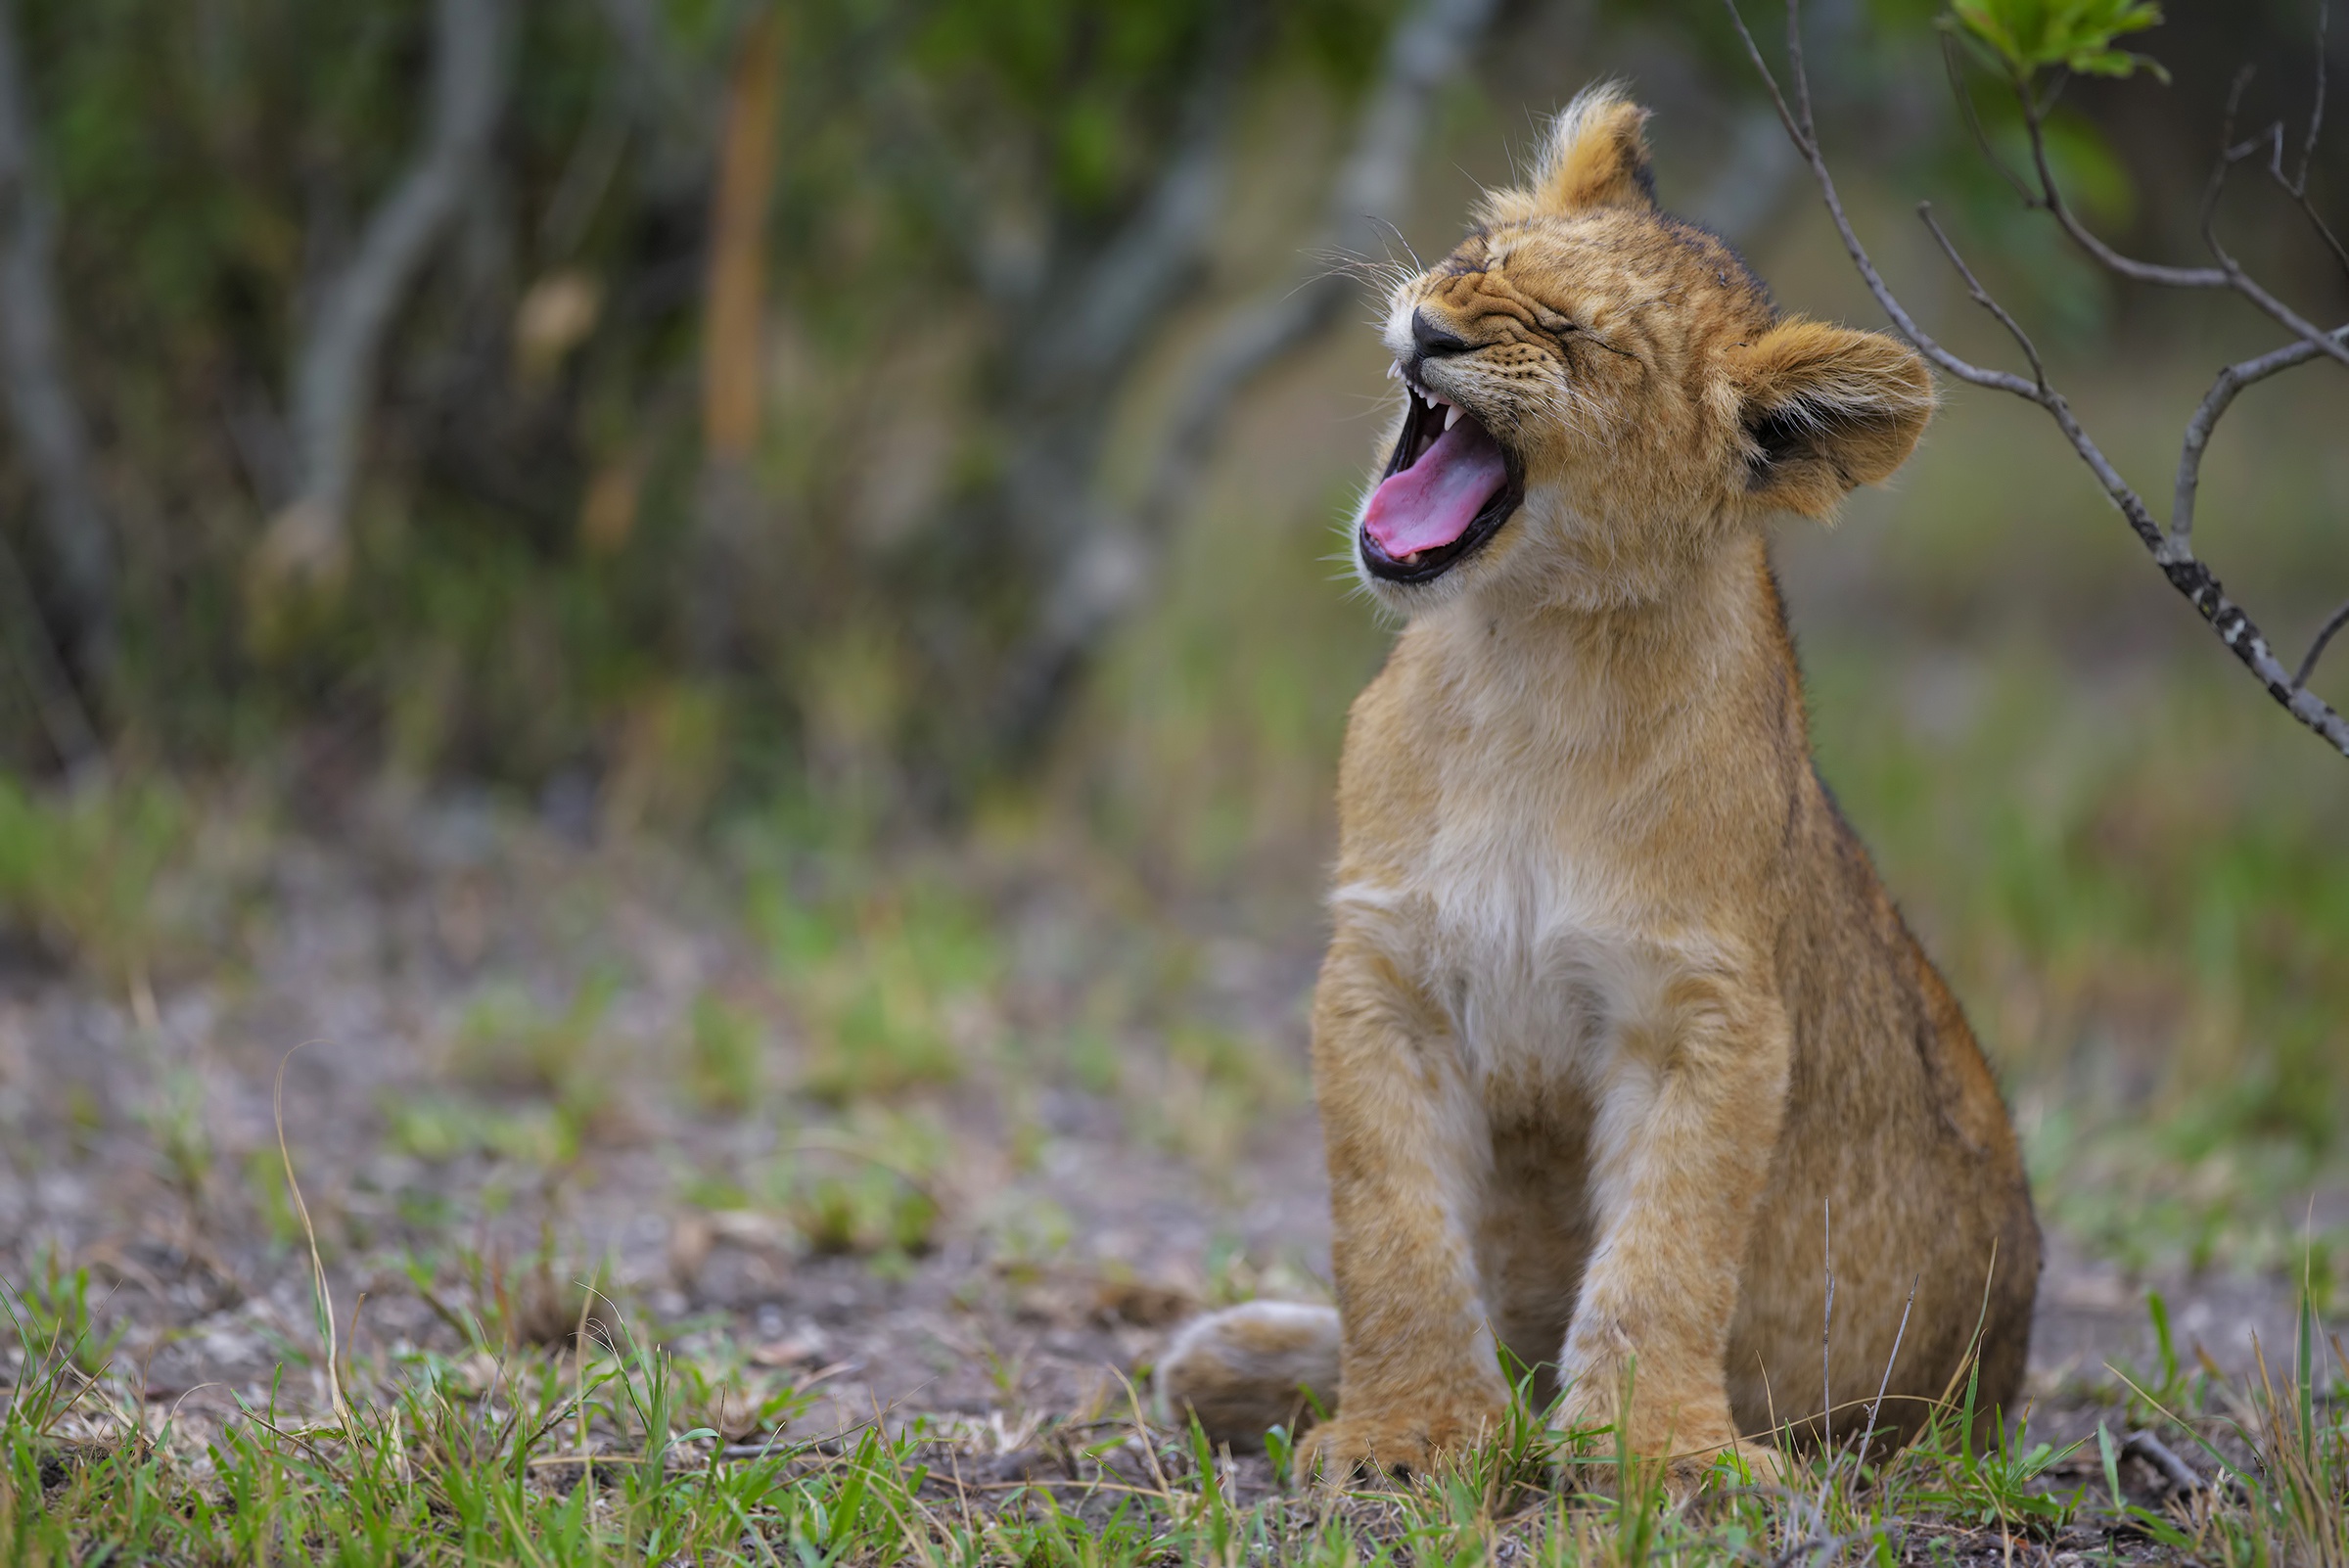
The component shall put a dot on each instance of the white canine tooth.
(1451, 415)
(1393, 371)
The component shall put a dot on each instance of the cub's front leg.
(1408, 1148)
(1690, 1106)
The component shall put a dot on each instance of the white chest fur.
(1513, 923)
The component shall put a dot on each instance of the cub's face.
(1596, 393)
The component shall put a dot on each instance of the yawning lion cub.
(1618, 1027)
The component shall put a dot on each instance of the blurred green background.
(730, 436)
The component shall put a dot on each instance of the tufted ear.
(1594, 156)
(1827, 409)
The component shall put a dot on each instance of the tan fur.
(1253, 1368)
(1617, 1020)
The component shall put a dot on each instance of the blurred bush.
(966, 292)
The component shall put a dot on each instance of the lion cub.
(1618, 1031)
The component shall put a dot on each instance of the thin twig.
(1898, 1335)
(2299, 191)
(1797, 123)
(1826, 1318)
(2316, 650)
(2297, 184)
(2316, 112)
(1974, 122)
(2228, 274)
(2051, 196)
(2230, 153)
(2232, 380)
(2014, 330)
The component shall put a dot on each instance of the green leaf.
(2029, 36)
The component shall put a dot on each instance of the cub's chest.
(1533, 940)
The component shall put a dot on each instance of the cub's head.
(1597, 393)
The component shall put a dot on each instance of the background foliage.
(970, 335)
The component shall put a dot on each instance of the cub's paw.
(1403, 1444)
(1688, 1455)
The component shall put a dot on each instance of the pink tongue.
(1431, 503)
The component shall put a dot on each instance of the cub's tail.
(1250, 1368)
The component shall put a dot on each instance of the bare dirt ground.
(1068, 1237)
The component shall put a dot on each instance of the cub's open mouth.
(1447, 488)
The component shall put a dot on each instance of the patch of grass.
(2156, 1201)
(441, 1128)
(509, 1041)
(725, 1056)
(870, 1188)
(52, 1320)
(615, 1451)
(894, 989)
(1208, 1091)
(498, 1304)
(81, 871)
(172, 1112)
(265, 1178)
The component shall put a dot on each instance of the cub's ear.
(1594, 156)
(1827, 409)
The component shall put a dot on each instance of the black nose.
(1434, 342)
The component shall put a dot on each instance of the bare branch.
(2236, 278)
(2296, 185)
(2316, 112)
(2297, 189)
(2051, 196)
(2233, 379)
(2227, 275)
(2189, 576)
(2038, 371)
(1796, 122)
(336, 368)
(2316, 650)
(43, 414)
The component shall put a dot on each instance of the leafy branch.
(2033, 44)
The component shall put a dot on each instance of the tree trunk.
(1106, 569)
(733, 339)
(44, 418)
(334, 374)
